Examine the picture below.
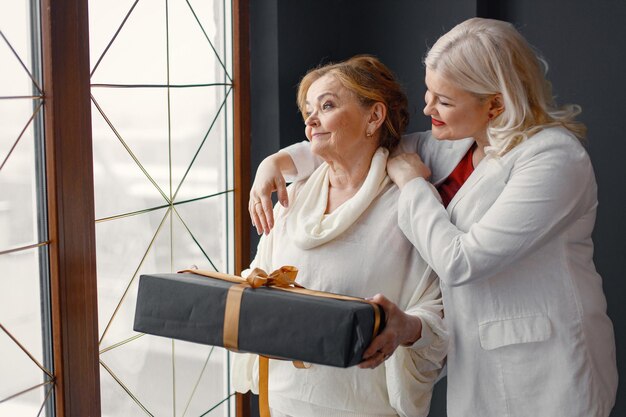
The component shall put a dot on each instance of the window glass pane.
(20, 304)
(15, 27)
(199, 382)
(139, 53)
(28, 404)
(163, 181)
(18, 184)
(125, 247)
(129, 174)
(116, 401)
(21, 344)
(198, 131)
(118, 326)
(139, 129)
(105, 19)
(19, 372)
(214, 17)
(196, 43)
(210, 215)
(134, 373)
(144, 367)
(25, 347)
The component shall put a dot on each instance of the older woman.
(511, 240)
(341, 232)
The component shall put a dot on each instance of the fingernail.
(285, 203)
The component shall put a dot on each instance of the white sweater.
(371, 256)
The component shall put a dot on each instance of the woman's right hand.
(269, 178)
(405, 167)
(401, 329)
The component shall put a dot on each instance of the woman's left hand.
(400, 329)
(405, 167)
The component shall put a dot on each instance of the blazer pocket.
(495, 334)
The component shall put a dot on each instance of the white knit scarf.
(307, 224)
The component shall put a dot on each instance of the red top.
(457, 178)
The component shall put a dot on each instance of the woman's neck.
(346, 177)
(479, 150)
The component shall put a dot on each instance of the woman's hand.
(269, 178)
(400, 329)
(405, 167)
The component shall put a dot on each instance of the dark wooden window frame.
(71, 216)
(241, 102)
(69, 172)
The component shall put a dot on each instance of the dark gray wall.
(314, 32)
(581, 40)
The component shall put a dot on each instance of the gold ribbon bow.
(285, 276)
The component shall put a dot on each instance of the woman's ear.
(496, 106)
(378, 113)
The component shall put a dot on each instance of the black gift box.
(272, 322)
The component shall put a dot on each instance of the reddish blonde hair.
(371, 82)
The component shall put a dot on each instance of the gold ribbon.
(284, 278)
(264, 391)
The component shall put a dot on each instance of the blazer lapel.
(450, 153)
(474, 178)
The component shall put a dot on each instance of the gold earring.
(369, 134)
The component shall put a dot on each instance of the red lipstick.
(436, 122)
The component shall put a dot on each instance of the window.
(161, 91)
(158, 202)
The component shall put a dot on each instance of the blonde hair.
(371, 82)
(486, 57)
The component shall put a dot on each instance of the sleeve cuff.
(427, 337)
(300, 153)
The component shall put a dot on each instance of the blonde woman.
(508, 230)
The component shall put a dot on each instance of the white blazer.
(522, 299)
